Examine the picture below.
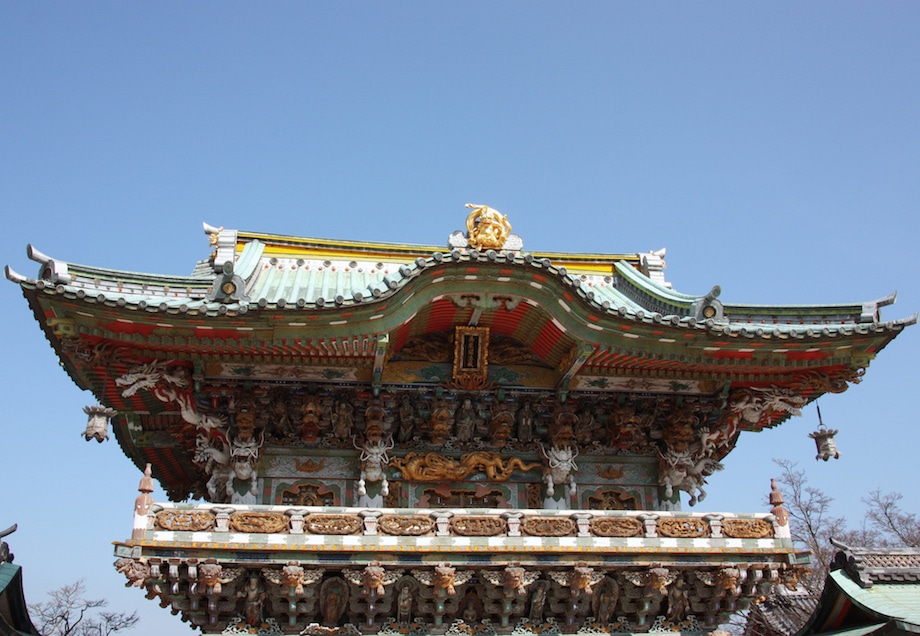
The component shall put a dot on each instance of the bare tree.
(889, 521)
(68, 612)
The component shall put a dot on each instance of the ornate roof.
(264, 308)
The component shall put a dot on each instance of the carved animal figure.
(679, 471)
(374, 460)
(560, 468)
(148, 376)
(136, 571)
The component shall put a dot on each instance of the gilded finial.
(487, 228)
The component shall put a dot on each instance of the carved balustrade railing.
(348, 571)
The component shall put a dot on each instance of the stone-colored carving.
(616, 527)
(682, 528)
(374, 459)
(757, 406)
(147, 376)
(476, 526)
(259, 522)
(188, 521)
(548, 526)
(430, 467)
(560, 468)
(137, 572)
(333, 524)
(686, 472)
(97, 422)
(405, 525)
(486, 228)
(747, 528)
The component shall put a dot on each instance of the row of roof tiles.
(296, 283)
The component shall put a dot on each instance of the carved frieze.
(478, 526)
(259, 522)
(747, 528)
(405, 525)
(333, 524)
(188, 521)
(616, 527)
(548, 526)
(682, 528)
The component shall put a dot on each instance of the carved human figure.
(584, 428)
(253, 595)
(406, 420)
(525, 423)
(343, 420)
(605, 602)
(465, 418)
(404, 605)
(333, 601)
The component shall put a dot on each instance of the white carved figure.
(148, 375)
(560, 468)
(752, 403)
(97, 422)
(374, 460)
(685, 472)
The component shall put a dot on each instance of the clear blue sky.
(773, 148)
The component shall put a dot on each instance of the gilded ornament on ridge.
(486, 227)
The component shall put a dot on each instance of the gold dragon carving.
(431, 467)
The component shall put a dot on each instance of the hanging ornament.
(824, 440)
(97, 424)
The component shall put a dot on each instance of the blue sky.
(773, 148)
